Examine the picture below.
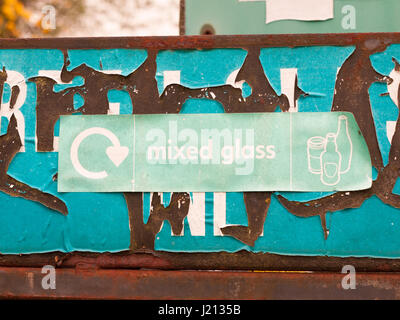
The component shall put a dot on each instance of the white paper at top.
(306, 10)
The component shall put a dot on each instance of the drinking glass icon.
(315, 147)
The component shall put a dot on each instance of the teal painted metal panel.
(134, 80)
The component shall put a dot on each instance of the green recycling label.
(213, 153)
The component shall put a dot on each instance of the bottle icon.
(330, 161)
(344, 145)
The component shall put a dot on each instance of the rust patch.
(50, 106)
(351, 94)
(263, 98)
(257, 205)
(143, 234)
(10, 144)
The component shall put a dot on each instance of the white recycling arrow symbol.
(116, 153)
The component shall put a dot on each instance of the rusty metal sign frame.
(145, 258)
(24, 283)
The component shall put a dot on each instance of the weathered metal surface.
(351, 94)
(198, 261)
(86, 283)
(370, 40)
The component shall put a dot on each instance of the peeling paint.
(353, 82)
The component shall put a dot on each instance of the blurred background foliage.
(13, 13)
(26, 18)
(23, 18)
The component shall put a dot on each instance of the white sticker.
(306, 10)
